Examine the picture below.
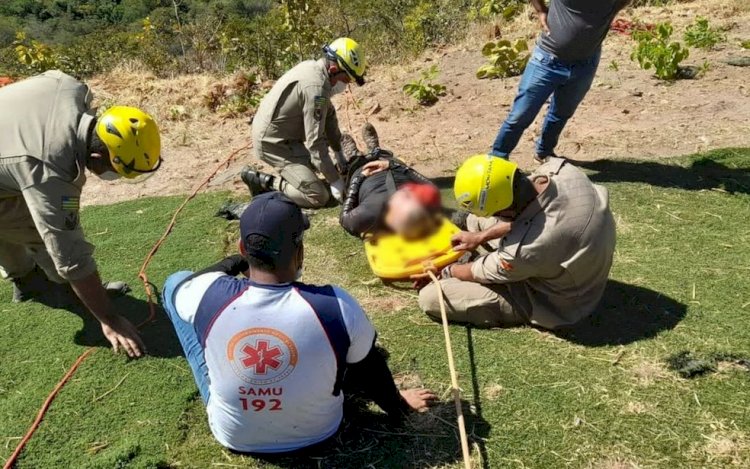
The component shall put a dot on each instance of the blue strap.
(325, 304)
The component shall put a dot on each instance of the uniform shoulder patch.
(320, 103)
(70, 203)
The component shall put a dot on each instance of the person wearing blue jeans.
(561, 69)
(186, 334)
(273, 357)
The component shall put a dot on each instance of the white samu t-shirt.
(271, 365)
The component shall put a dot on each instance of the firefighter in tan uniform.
(296, 124)
(551, 238)
(48, 135)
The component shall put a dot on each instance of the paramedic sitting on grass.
(552, 238)
(269, 353)
(385, 195)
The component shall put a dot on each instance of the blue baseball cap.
(280, 221)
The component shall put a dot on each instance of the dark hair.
(256, 244)
(96, 145)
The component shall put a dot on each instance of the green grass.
(597, 396)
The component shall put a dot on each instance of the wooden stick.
(454, 377)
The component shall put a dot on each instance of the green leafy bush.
(703, 36)
(429, 23)
(34, 55)
(425, 90)
(505, 8)
(654, 50)
(504, 59)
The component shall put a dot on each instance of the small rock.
(625, 111)
(636, 93)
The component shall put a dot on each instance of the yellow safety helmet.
(349, 56)
(132, 139)
(484, 184)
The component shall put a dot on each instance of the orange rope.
(142, 273)
(151, 307)
(17, 452)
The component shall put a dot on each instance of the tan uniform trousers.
(299, 180)
(21, 247)
(477, 304)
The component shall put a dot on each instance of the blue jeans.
(545, 76)
(191, 345)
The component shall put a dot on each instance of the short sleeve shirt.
(271, 366)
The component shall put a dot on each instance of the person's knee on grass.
(555, 238)
(278, 351)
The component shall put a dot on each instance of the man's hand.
(122, 334)
(374, 167)
(419, 399)
(467, 241)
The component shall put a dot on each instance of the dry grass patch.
(637, 408)
(725, 447)
(648, 372)
(494, 391)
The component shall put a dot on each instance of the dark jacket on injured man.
(366, 201)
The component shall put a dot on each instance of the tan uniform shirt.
(44, 124)
(556, 259)
(298, 113)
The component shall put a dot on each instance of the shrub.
(34, 55)
(430, 23)
(655, 51)
(505, 8)
(703, 36)
(425, 90)
(504, 59)
(240, 98)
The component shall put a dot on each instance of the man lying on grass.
(269, 353)
(547, 242)
(385, 195)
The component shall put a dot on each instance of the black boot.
(29, 286)
(349, 147)
(20, 291)
(257, 182)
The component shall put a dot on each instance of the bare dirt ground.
(627, 113)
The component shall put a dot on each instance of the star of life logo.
(262, 356)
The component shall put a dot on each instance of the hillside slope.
(627, 113)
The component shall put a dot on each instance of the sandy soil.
(627, 113)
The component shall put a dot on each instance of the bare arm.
(118, 330)
(53, 205)
(541, 13)
(539, 6)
